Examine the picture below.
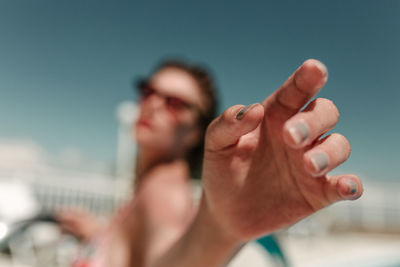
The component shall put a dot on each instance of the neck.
(146, 160)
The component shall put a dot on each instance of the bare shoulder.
(166, 194)
(169, 176)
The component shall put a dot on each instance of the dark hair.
(202, 75)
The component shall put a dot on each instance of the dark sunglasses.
(173, 103)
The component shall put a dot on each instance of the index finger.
(299, 88)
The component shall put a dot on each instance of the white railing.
(377, 210)
(56, 190)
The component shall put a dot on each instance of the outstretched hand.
(266, 165)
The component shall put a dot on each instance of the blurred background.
(66, 108)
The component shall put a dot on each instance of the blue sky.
(66, 65)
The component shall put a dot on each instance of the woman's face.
(169, 112)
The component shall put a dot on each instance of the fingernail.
(352, 187)
(299, 132)
(320, 161)
(243, 111)
(321, 67)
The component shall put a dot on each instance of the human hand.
(80, 223)
(265, 166)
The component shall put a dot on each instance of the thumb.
(233, 123)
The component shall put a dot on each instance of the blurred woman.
(177, 103)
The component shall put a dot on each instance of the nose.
(152, 103)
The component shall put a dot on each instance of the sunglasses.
(174, 104)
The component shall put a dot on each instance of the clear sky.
(66, 65)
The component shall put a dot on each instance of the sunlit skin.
(257, 179)
(163, 197)
(162, 206)
(265, 167)
(162, 131)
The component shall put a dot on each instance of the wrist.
(214, 245)
(205, 243)
(209, 221)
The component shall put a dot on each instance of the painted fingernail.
(299, 132)
(320, 161)
(352, 187)
(243, 111)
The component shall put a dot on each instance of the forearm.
(203, 244)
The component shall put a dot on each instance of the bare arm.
(166, 208)
(80, 223)
(203, 244)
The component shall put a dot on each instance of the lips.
(144, 122)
